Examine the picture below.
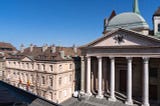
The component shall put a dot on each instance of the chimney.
(45, 47)
(74, 48)
(62, 54)
(22, 48)
(53, 48)
(31, 47)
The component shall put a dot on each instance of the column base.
(89, 94)
(129, 102)
(147, 104)
(82, 92)
(112, 99)
(99, 96)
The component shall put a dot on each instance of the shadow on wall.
(12, 96)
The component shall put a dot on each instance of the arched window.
(158, 27)
(51, 67)
(51, 81)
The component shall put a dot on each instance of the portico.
(130, 55)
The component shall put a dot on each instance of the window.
(70, 77)
(60, 80)
(43, 80)
(32, 78)
(51, 95)
(65, 93)
(60, 93)
(70, 66)
(153, 72)
(51, 81)
(38, 66)
(32, 66)
(27, 65)
(23, 65)
(158, 27)
(51, 67)
(60, 67)
(44, 68)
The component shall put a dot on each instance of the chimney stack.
(53, 48)
(31, 47)
(74, 48)
(22, 48)
(45, 47)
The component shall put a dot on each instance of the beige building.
(47, 71)
(124, 61)
(5, 50)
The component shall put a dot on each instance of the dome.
(128, 21)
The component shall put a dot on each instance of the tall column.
(112, 80)
(129, 82)
(89, 76)
(82, 74)
(99, 78)
(145, 100)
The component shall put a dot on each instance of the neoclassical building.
(125, 60)
(47, 71)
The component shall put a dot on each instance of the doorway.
(122, 81)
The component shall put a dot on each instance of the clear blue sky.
(61, 22)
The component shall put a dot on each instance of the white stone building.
(125, 60)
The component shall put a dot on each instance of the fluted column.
(100, 95)
(82, 74)
(145, 99)
(89, 76)
(129, 82)
(112, 80)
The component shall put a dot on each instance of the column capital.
(129, 58)
(111, 57)
(82, 57)
(88, 57)
(145, 59)
(99, 57)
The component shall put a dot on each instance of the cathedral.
(125, 60)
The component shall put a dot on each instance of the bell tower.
(156, 22)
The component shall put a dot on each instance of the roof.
(127, 20)
(124, 30)
(61, 53)
(113, 14)
(7, 45)
(157, 12)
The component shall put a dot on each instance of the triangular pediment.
(122, 37)
(26, 59)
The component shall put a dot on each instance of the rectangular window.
(43, 80)
(32, 66)
(27, 65)
(60, 80)
(44, 68)
(70, 66)
(153, 72)
(70, 78)
(38, 66)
